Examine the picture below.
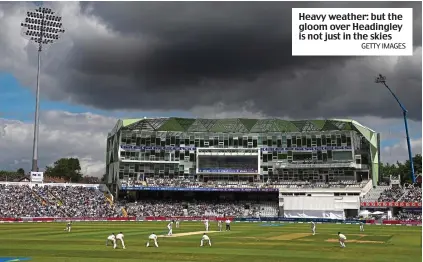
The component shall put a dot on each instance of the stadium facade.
(241, 149)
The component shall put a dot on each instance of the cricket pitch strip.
(189, 234)
(333, 240)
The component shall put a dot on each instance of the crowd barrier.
(212, 218)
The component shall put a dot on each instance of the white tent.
(378, 213)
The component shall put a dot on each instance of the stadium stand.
(412, 194)
(54, 201)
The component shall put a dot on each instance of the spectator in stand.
(391, 194)
(408, 216)
(53, 201)
(413, 194)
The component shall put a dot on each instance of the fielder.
(120, 237)
(205, 238)
(177, 223)
(206, 224)
(154, 238)
(342, 239)
(361, 226)
(219, 225)
(68, 227)
(111, 238)
(313, 228)
(169, 227)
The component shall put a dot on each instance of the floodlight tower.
(42, 27)
(382, 80)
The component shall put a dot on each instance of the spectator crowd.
(391, 194)
(53, 201)
(79, 201)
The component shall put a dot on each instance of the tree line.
(401, 169)
(63, 170)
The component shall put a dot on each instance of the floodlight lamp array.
(380, 79)
(42, 26)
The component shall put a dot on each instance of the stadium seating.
(412, 194)
(54, 201)
(78, 201)
(375, 193)
(266, 209)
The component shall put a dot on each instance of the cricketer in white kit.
(120, 237)
(111, 238)
(342, 239)
(177, 223)
(169, 227)
(68, 227)
(206, 224)
(313, 228)
(361, 226)
(205, 238)
(219, 225)
(152, 237)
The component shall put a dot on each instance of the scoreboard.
(228, 161)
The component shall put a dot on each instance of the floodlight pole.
(42, 27)
(37, 116)
(382, 80)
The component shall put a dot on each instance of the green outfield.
(48, 242)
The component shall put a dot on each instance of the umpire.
(228, 224)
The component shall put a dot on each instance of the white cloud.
(62, 134)
(399, 151)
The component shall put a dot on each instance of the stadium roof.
(239, 125)
(246, 125)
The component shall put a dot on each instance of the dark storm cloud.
(180, 55)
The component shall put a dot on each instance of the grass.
(252, 242)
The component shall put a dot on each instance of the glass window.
(143, 141)
(235, 142)
(288, 142)
(178, 141)
(319, 141)
(330, 154)
(348, 141)
(325, 157)
(343, 139)
(299, 142)
(231, 141)
(342, 155)
(167, 141)
(308, 142)
(172, 140)
(279, 142)
(186, 141)
(254, 143)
